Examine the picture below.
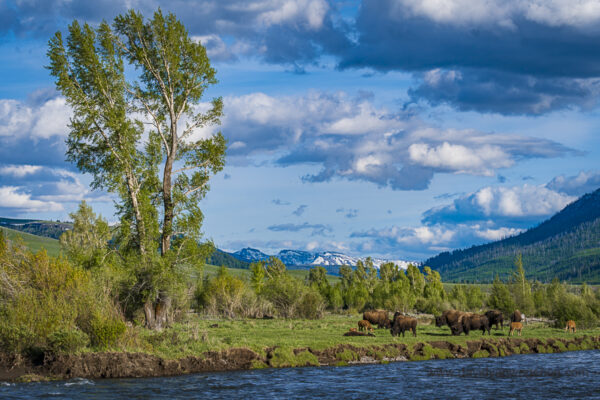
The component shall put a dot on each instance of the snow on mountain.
(300, 257)
(249, 254)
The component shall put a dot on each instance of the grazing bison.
(365, 325)
(570, 326)
(515, 326)
(452, 319)
(516, 316)
(471, 322)
(378, 317)
(403, 324)
(495, 317)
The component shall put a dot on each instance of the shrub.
(67, 341)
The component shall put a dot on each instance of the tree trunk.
(157, 312)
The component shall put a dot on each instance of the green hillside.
(34, 242)
(51, 229)
(566, 246)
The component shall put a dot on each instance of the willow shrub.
(46, 304)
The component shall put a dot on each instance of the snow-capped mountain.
(249, 254)
(300, 257)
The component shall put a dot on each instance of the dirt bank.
(137, 365)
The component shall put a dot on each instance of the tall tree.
(137, 134)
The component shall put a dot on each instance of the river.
(573, 375)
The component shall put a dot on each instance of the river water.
(572, 375)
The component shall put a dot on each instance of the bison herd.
(458, 322)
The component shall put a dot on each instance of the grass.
(34, 242)
(197, 335)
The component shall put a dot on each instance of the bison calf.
(365, 325)
(515, 326)
(570, 326)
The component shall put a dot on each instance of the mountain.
(220, 257)
(49, 229)
(249, 255)
(566, 246)
(297, 258)
(33, 242)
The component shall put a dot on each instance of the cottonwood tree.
(135, 89)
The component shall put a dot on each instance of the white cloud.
(18, 119)
(584, 182)
(19, 171)
(352, 138)
(12, 199)
(576, 13)
(504, 205)
(460, 158)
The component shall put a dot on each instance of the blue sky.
(387, 128)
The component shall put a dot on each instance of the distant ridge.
(566, 246)
(49, 229)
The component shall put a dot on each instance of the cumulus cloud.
(14, 200)
(584, 182)
(425, 241)
(351, 138)
(510, 57)
(505, 205)
(279, 31)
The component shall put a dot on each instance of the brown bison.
(515, 326)
(495, 317)
(452, 319)
(402, 324)
(365, 325)
(516, 316)
(470, 322)
(570, 326)
(378, 317)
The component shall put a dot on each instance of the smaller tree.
(500, 297)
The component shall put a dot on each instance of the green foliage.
(501, 298)
(47, 303)
(291, 298)
(67, 341)
(161, 173)
(87, 243)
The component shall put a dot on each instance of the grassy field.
(33, 242)
(197, 335)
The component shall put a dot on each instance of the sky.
(385, 128)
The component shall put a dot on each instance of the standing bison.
(378, 317)
(452, 318)
(495, 317)
(471, 322)
(516, 316)
(402, 324)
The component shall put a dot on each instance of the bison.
(495, 317)
(403, 324)
(365, 325)
(452, 319)
(471, 322)
(515, 326)
(378, 317)
(516, 316)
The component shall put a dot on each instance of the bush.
(292, 299)
(46, 303)
(67, 341)
(105, 332)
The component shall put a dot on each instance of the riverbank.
(139, 365)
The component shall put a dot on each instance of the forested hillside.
(566, 246)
